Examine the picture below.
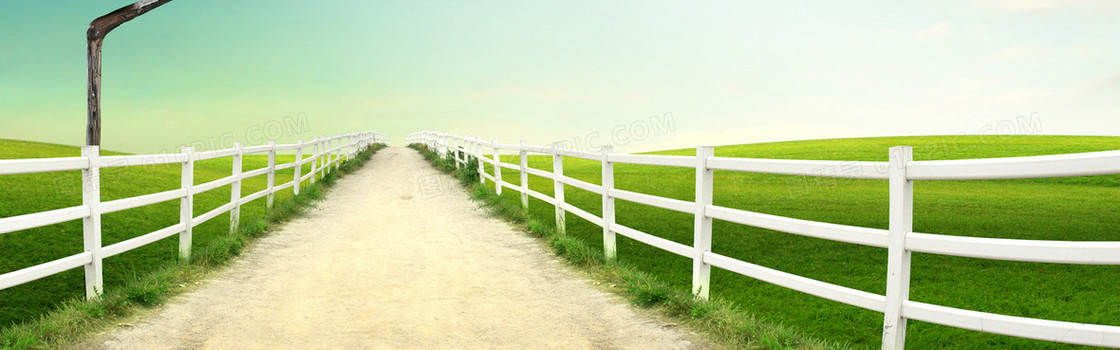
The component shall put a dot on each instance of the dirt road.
(396, 257)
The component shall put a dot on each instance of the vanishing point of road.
(396, 257)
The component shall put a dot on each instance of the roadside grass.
(723, 323)
(52, 312)
(1071, 209)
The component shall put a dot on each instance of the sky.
(642, 75)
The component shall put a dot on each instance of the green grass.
(1078, 208)
(37, 311)
(722, 322)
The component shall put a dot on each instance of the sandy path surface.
(397, 257)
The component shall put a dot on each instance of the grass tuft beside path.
(51, 312)
(1071, 209)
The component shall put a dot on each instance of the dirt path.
(396, 257)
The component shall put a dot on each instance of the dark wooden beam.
(98, 29)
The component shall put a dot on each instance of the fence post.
(523, 156)
(455, 143)
(91, 225)
(330, 156)
(314, 159)
(325, 158)
(558, 189)
(271, 173)
(481, 164)
(702, 227)
(336, 152)
(298, 167)
(497, 170)
(898, 258)
(186, 204)
(610, 248)
(235, 191)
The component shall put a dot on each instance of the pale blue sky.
(727, 71)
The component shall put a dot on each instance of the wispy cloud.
(1024, 95)
(936, 31)
(1103, 82)
(538, 93)
(1047, 5)
(1031, 5)
(1015, 53)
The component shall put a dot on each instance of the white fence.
(327, 154)
(899, 239)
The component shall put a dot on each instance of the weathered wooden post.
(95, 36)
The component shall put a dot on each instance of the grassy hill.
(1081, 208)
(30, 193)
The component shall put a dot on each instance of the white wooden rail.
(327, 154)
(899, 239)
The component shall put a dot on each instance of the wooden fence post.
(702, 227)
(235, 191)
(336, 153)
(326, 157)
(91, 225)
(523, 156)
(898, 258)
(314, 159)
(481, 164)
(271, 173)
(610, 247)
(298, 167)
(558, 189)
(186, 204)
(497, 170)
(455, 145)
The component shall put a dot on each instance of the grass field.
(1080, 208)
(30, 193)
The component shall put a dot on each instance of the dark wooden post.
(98, 29)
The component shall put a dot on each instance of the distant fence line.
(899, 239)
(327, 154)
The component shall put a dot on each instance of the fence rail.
(327, 153)
(899, 239)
